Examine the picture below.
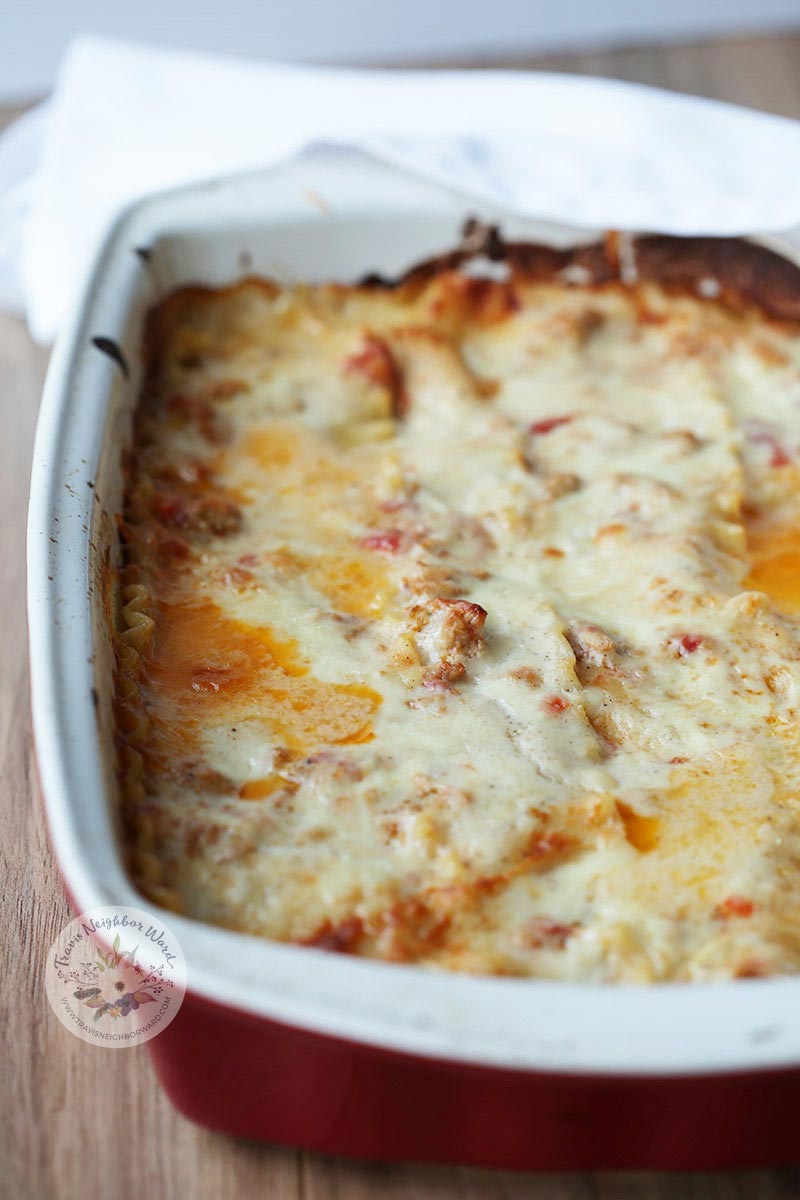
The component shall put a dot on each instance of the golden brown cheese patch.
(458, 620)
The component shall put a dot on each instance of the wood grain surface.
(79, 1123)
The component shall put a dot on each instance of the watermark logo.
(115, 976)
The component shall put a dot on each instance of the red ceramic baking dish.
(288, 1043)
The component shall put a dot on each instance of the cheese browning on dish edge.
(459, 618)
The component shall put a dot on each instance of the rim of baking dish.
(522, 1024)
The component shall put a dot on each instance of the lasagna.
(458, 621)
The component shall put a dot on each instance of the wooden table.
(79, 1122)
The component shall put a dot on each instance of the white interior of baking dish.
(329, 215)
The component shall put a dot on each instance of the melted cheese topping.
(459, 625)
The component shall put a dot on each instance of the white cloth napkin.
(127, 119)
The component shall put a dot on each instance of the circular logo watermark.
(115, 976)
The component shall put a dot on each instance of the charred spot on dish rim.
(107, 345)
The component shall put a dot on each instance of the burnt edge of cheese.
(745, 271)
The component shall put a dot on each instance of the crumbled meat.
(449, 632)
(426, 577)
(592, 646)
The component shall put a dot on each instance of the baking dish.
(289, 1043)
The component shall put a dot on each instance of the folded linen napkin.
(126, 119)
